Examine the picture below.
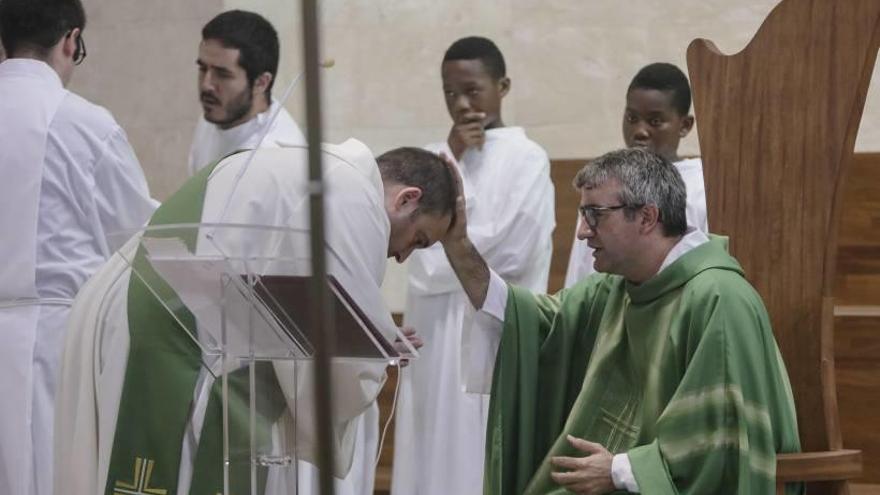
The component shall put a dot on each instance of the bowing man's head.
(237, 61)
(419, 199)
(474, 81)
(47, 30)
(656, 116)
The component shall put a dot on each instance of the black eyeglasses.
(592, 214)
(80, 53)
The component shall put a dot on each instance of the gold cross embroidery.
(140, 484)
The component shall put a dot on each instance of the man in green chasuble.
(139, 408)
(658, 375)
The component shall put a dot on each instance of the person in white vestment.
(70, 179)
(375, 209)
(656, 117)
(238, 63)
(440, 429)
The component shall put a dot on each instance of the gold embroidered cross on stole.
(140, 484)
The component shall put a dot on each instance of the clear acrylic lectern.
(242, 294)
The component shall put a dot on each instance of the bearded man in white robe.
(440, 429)
(70, 178)
(107, 428)
(238, 63)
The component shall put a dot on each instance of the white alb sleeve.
(482, 338)
(622, 474)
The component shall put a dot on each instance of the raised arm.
(470, 268)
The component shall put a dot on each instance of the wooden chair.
(777, 126)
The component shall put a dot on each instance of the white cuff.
(622, 474)
(496, 297)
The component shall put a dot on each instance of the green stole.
(160, 377)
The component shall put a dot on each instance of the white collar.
(31, 67)
(691, 239)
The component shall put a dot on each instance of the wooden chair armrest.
(834, 465)
(864, 311)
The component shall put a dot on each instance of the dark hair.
(425, 170)
(254, 38)
(645, 178)
(38, 24)
(478, 48)
(665, 77)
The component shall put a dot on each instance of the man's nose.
(206, 82)
(461, 103)
(584, 231)
(641, 132)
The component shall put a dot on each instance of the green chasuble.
(161, 373)
(682, 373)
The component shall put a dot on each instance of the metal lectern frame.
(321, 311)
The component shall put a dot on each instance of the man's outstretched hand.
(414, 340)
(469, 266)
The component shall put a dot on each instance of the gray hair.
(645, 178)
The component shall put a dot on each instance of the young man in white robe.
(70, 178)
(656, 117)
(440, 430)
(375, 209)
(238, 62)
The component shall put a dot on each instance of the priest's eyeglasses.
(592, 214)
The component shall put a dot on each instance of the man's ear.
(408, 198)
(68, 42)
(261, 83)
(687, 124)
(503, 86)
(649, 216)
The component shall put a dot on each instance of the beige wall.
(141, 66)
(570, 62)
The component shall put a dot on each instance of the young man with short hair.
(656, 117)
(70, 179)
(440, 429)
(238, 63)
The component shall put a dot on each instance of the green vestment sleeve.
(541, 364)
